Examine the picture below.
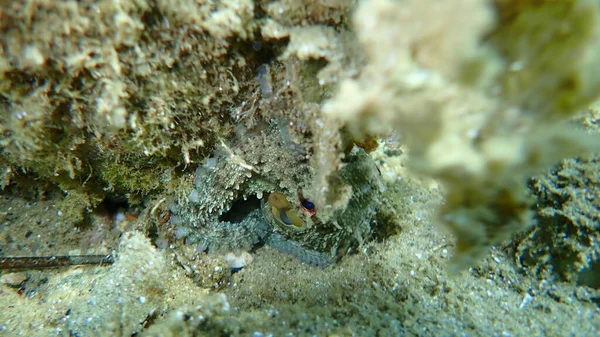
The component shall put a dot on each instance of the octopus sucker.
(305, 255)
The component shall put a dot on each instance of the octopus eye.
(308, 207)
(283, 212)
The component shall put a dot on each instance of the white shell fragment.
(238, 260)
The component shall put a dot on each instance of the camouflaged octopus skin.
(223, 211)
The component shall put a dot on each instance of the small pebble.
(13, 279)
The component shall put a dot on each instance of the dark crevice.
(240, 209)
(590, 277)
(111, 205)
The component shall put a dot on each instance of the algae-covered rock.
(478, 100)
(110, 97)
(564, 242)
(549, 48)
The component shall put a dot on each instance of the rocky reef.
(305, 126)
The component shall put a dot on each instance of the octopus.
(235, 208)
(260, 189)
(297, 229)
